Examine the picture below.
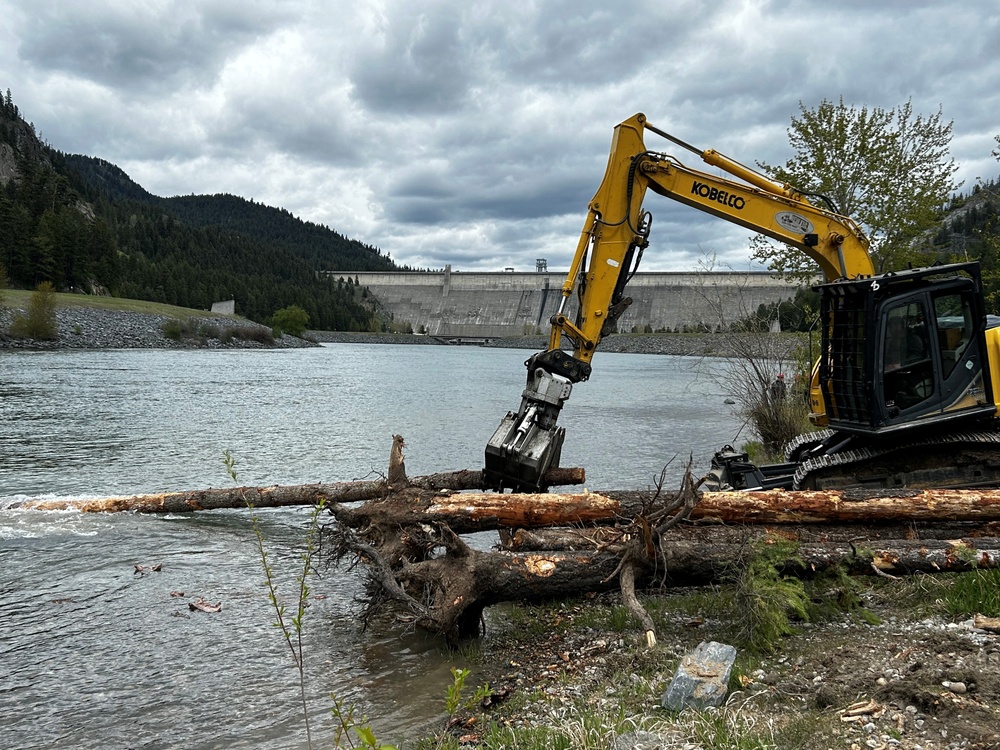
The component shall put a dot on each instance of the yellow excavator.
(904, 386)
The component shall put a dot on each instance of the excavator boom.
(528, 442)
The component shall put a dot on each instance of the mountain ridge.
(83, 224)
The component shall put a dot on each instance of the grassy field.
(17, 298)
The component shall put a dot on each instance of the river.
(97, 655)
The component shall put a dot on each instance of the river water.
(96, 655)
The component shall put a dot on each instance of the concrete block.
(702, 679)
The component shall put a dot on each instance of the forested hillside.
(84, 225)
(970, 230)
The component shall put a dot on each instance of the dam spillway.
(495, 304)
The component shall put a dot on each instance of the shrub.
(260, 334)
(172, 329)
(292, 320)
(765, 597)
(40, 320)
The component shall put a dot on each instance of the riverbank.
(103, 323)
(79, 327)
(904, 666)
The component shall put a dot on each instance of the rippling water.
(95, 655)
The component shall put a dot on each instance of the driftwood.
(586, 539)
(408, 534)
(553, 544)
(470, 512)
(443, 585)
(279, 496)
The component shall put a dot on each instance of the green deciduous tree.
(889, 170)
(292, 320)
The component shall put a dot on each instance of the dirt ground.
(895, 673)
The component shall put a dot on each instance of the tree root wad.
(421, 572)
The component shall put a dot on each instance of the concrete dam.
(497, 304)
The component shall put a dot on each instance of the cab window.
(954, 329)
(908, 373)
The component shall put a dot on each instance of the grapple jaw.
(528, 443)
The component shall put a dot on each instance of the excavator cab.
(901, 352)
(904, 350)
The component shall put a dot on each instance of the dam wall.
(494, 304)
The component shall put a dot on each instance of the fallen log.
(471, 512)
(687, 562)
(278, 496)
(589, 538)
(418, 563)
(467, 513)
(447, 594)
(850, 506)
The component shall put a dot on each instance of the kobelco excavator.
(904, 386)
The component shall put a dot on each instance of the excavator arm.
(528, 442)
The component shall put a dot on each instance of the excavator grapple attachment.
(528, 443)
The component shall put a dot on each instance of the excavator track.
(803, 442)
(950, 461)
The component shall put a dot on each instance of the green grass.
(977, 592)
(17, 298)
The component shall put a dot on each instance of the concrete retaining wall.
(452, 303)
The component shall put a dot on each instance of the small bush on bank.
(40, 320)
(291, 320)
(245, 333)
(179, 329)
(172, 329)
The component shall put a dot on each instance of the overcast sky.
(475, 133)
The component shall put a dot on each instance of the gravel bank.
(92, 328)
(915, 679)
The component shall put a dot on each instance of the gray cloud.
(475, 134)
(141, 47)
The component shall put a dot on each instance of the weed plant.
(291, 624)
(350, 731)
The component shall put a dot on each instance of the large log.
(411, 541)
(466, 513)
(279, 496)
(447, 594)
(470, 512)
(850, 506)
(571, 539)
